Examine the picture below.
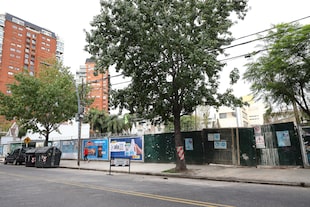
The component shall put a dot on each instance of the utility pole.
(80, 118)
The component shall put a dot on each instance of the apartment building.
(23, 47)
(246, 116)
(99, 85)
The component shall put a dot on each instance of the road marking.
(124, 192)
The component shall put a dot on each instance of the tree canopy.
(169, 49)
(43, 102)
(282, 73)
(103, 123)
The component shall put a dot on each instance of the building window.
(10, 73)
(18, 21)
(46, 32)
(223, 115)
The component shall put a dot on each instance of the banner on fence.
(131, 147)
(98, 149)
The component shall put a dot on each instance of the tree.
(169, 49)
(102, 122)
(282, 74)
(41, 103)
(98, 120)
(188, 123)
(115, 124)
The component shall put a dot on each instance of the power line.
(121, 83)
(266, 30)
(260, 38)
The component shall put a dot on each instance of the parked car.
(16, 157)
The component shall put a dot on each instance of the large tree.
(43, 102)
(281, 74)
(169, 49)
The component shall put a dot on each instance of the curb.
(224, 179)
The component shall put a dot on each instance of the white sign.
(260, 142)
(120, 162)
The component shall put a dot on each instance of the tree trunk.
(46, 139)
(180, 162)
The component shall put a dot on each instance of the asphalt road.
(55, 187)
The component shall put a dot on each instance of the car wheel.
(5, 162)
(15, 162)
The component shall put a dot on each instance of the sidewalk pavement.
(290, 176)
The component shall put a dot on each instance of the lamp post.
(79, 115)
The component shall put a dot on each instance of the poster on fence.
(98, 149)
(283, 138)
(189, 144)
(214, 137)
(220, 144)
(69, 149)
(260, 142)
(131, 147)
(257, 130)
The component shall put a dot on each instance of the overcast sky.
(68, 19)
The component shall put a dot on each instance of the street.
(50, 187)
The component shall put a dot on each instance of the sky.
(69, 18)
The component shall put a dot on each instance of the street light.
(81, 111)
(80, 122)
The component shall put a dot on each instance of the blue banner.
(98, 149)
(131, 148)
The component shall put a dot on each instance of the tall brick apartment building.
(23, 47)
(99, 87)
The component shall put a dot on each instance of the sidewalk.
(278, 176)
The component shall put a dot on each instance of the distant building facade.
(98, 82)
(246, 116)
(80, 75)
(23, 47)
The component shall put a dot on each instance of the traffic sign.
(27, 140)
